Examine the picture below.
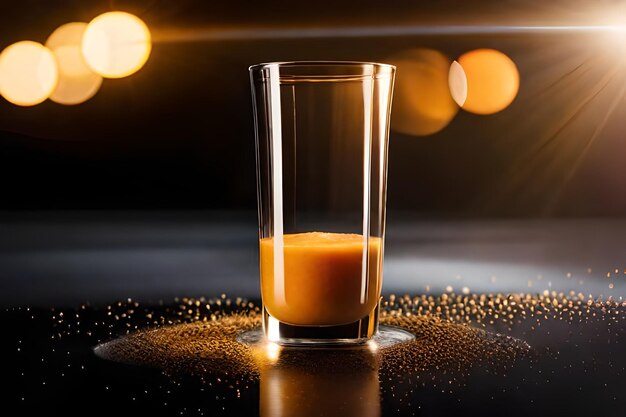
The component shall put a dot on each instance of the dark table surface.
(524, 318)
(67, 258)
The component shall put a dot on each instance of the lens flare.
(422, 104)
(77, 82)
(28, 73)
(492, 81)
(116, 44)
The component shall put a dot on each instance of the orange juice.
(321, 282)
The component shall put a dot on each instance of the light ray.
(552, 162)
(165, 35)
(576, 164)
(524, 164)
(600, 87)
(572, 75)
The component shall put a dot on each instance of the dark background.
(179, 133)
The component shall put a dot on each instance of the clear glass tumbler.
(322, 132)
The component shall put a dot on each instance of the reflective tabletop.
(488, 354)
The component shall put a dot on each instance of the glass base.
(351, 334)
(357, 332)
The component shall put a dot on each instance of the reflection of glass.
(322, 134)
(320, 383)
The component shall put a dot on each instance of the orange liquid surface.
(323, 278)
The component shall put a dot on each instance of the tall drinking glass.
(322, 133)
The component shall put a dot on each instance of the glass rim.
(287, 64)
(302, 71)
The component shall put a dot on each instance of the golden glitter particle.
(193, 345)
(198, 338)
(210, 349)
(198, 348)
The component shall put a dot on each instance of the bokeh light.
(28, 73)
(422, 103)
(458, 83)
(116, 44)
(492, 80)
(77, 82)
